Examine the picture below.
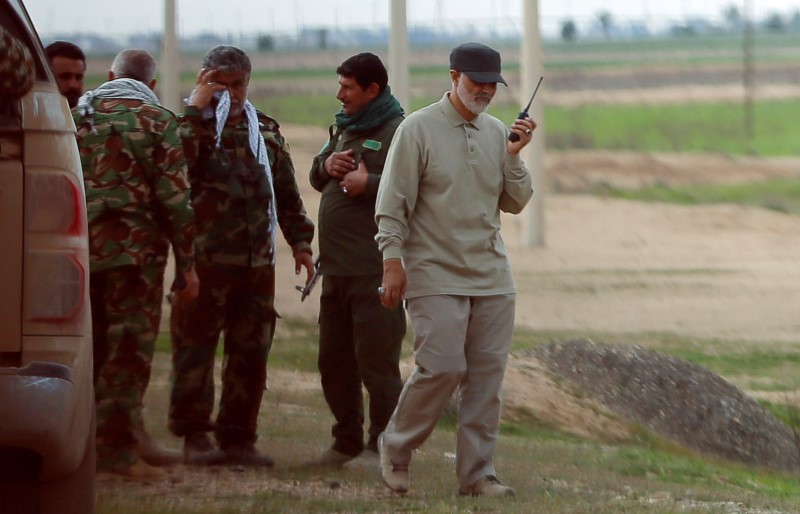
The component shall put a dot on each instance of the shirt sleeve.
(397, 192)
(173, 194)
(318, 176)
(517, 185)
(196, 133)
(296, 226)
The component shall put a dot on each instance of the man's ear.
(111, 75)
(373, 91)
(152, 84)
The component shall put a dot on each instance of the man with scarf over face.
(138, 203)
(359, 340)
(243, 190)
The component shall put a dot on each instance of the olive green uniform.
(360, 340)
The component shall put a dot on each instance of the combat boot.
(153, 453)
(245, 454)
(139, 471)
(198, 449)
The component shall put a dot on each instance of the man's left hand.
(355, 182)
(304, 260)
(524, 129)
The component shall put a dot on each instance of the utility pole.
(398, 53)
(531, 68)
(749, 73)
(170, 60)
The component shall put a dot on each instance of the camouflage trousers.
(126, 310)
(239, 301)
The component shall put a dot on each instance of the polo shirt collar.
(454, 118)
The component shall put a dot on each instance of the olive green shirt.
(347, 223)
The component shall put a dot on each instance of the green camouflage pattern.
(16, 66)
(230, 194)
(137, 190)
(126, 309)
(246, 295)
(237, 278)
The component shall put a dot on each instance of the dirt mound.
(676, 399)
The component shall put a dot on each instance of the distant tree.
(795, 23)
(775, 23)
(683, 30)
(733, 17)
(569, 31)
(606, 22)
(266, 43)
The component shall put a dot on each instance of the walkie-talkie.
(514, 137)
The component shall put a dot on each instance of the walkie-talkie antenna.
(513, 137)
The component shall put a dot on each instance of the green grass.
(691, 128)
(553, 472)
(701, 127)
(781, 195)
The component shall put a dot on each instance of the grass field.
(695, 128)
(552, 472)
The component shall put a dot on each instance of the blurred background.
(712, 76)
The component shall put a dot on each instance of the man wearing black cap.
(450, 171)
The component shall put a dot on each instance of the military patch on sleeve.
(371, 144)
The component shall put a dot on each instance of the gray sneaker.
(488, 486)
(396, 477)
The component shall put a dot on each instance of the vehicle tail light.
(56, 255)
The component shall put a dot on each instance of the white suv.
(47, 439)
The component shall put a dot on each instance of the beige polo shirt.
(444, 184)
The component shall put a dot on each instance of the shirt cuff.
(302, 247)
(392, 252)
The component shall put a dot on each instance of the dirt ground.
(619, 266)
(614, 266)
(607, 266)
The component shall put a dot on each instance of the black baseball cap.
(477, 61)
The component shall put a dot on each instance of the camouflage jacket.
(137, 190)
(16, 66)
(231, 196)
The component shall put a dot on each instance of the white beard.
(473, 105)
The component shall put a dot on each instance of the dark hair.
(365, 68)
(64, 49)
(227, 59)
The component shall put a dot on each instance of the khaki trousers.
(459, 342)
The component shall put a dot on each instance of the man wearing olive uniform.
(359, 340)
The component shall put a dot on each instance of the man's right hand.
(204, 89)
(191, 287)
(339, 164)
(393, 284)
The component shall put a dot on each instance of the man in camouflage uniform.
(359, 340)
(243, 189)
(138, 202)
